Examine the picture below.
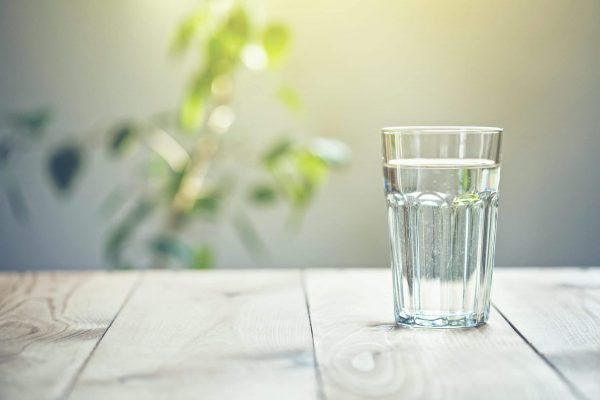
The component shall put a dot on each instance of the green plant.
(190, 155)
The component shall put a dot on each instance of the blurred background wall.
(532, 67)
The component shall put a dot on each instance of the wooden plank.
(558, 312)
(212, 335)
(49, 325)
(361, 354)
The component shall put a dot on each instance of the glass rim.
(440, 129)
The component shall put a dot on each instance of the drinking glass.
(441, 187)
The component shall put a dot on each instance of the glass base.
(442, 321)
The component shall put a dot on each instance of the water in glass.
(442, 217)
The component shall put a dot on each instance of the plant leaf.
(312, 172)
(188, 30)
(312, 168)
(192, 112)
(235, 33)
(33, 123)
(208, 205)
(64, 165)
(238, 23)
(278, 150)
(172, 247)
(464, 181)
(467, 198)
(204, 258)
(192, 109)
(225, 46)
(263, 194)
(122, 139)
(291, 99)
(276, 40)
(119, 236)
(298, 170)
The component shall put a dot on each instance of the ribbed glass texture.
(442, 195)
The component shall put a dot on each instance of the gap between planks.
(557, 311)
(319, 378)
(49, 324)
(221, 334)
(131, 291)
(558, 372)
(361, 354)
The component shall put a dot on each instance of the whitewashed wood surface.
(558, 312)
(289, 334)
(50, 324)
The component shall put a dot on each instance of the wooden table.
(289, 334)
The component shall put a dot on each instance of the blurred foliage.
(184, 152)
(32, 124)
(122, 139)
(174, 247)
(64, 165)
(20, 132)
(291, 99)
(275, 40)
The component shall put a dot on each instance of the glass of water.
(441, 187)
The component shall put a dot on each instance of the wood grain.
(49, 325)
(361, 355)
(210, 335)
(558, 312)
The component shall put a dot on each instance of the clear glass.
(441, 187)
